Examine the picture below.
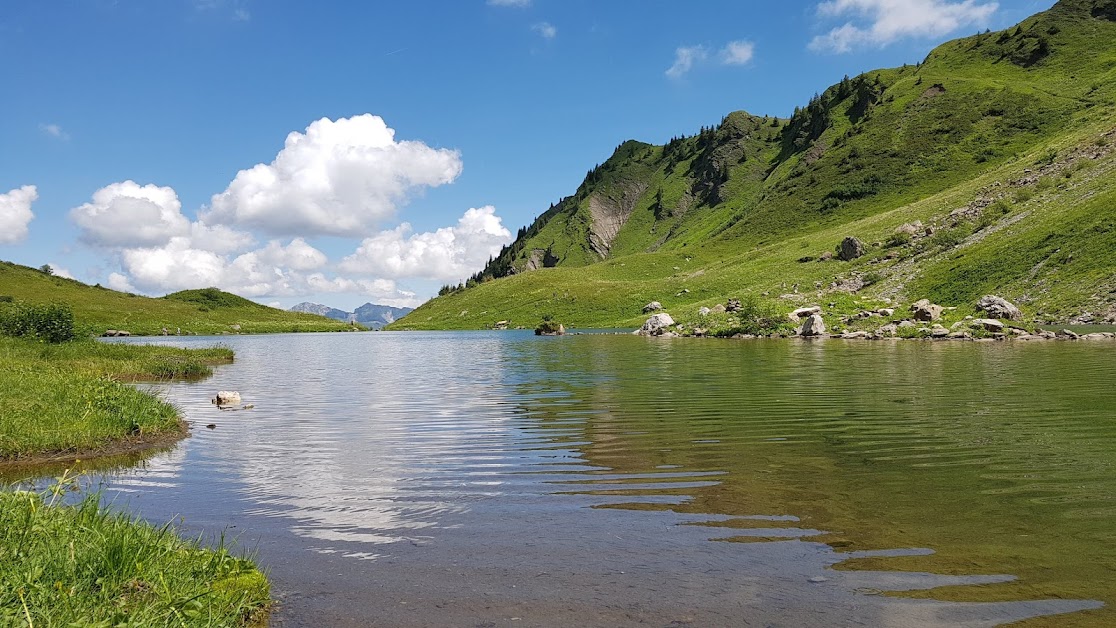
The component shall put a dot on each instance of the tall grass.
(73, 396)
(83, 565)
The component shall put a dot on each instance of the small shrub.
(871, 278)
(948, 238)
(1045, 183)
(6, 299)
(52, 323)
(1023, 195)
(899, 238)
(1000, 207)
(1047, 158)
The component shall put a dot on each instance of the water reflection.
(580, 480)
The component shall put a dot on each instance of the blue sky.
(154, 132)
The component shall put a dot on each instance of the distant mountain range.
(369, 314)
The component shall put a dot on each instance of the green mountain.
(206, 311)
(1000, 145)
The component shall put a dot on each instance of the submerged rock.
(227, 398)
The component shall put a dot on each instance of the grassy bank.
(83, 565)
(71, 398)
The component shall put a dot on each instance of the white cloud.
(882, 22)
(120, 283)
(61, 272)
(128, 214)
(448, 254)
(684, 59)
(508, 3)
(546, 30)
(16, 214)
(339, 178)
(55, 131)
(738, 52)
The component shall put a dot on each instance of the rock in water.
(227, 398)
(999, 307)
(656, 325)
(812, 326)
(850, 249)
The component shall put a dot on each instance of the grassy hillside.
(999, 144)
(207, 311)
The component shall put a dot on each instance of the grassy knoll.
(1001, 145)
(204, 312)
(71, 397)
(83, 565)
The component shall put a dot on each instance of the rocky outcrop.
(850, 249)
(999, 307)
(657, 325)
(653, 306)
(926, 311)
(610, 213)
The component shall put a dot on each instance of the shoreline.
(118, 447)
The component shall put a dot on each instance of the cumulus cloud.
(16, 214)
(546, 30)
(339, 178)
(128, 214)
(738, 53)
(448, 254)
(684, 59)
(882, 22)
(55, 131)
(120, 283)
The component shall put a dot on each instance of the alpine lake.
(500, 479)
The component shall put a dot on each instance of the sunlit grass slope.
(1000, 144)
(207, 311)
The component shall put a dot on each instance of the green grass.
(731, 211)
(83, 565)
(204, 312)
(72, 397)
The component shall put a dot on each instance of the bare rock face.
(850, 249)
(653, 306)
(926, 311)
(227, 398)
(812, 326)
(657, 325)
(999, 307)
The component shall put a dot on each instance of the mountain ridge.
(369, 314)
(886, 145)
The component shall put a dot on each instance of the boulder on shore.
(802, 312)
(999, 307)
(657, 325)
(926, 311)
(989, 324)
(813, 325)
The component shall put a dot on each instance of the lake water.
(499, 479)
